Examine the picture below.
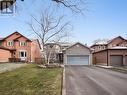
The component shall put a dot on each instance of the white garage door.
(77, 60)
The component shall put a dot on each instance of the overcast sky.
(105, 19)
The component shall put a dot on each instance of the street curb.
(63, 86)
(105, 67)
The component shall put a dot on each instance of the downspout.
(107, 57)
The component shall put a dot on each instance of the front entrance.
(23, 55)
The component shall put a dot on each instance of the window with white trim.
(10, 43)
(23, 43)
(23, 54)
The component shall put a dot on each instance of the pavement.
(90, 80)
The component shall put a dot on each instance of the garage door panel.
(126, 60)
(77, 60)
(116, 60)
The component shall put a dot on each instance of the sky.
(105, 19)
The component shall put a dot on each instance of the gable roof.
(79, 44)
(22, 36)
(115, 39)
(17, 37)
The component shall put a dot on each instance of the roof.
(118, 47)
(76, 44)
(17, 37)
(115, 39)
(97, 45)
(1, 47)
(52, 44)
(107, 42)
(1, 39)
(113, 48)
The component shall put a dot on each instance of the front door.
(23, 55)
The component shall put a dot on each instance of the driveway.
(86, 80)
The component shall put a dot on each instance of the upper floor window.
(103, 47)
(23, 43)
(0, 43)
(10, 43)
(122, 45)
(113, 45)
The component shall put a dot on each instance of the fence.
(14, 60)
(39, 60)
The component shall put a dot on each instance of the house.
(52, 50)
(35, 49)
(56, 50)
(16, 46)
(77, 54)
(112, 52)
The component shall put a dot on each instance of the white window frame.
(25, 54)
(23, 43)
(10, 43)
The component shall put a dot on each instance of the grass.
(31, 80)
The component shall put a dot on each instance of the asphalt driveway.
(84, 80)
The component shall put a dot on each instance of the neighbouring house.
(56, 51)
(52, 51)
(35, 50)
(77, 54)
(16, 46)
(113, 52)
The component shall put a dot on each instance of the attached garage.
(125, 60)
(77, 54)
(116, 60)
(4, 54)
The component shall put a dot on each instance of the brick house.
(113, 52)
(19, 47)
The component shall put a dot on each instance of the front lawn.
(31, 80)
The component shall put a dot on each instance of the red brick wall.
(101, 57)
(35, 50)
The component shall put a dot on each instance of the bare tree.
(77, 6)
(48, 27)
(101, 41)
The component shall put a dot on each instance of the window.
(114, 45)
(0, 43)
(10, 43)
(22, 54)
(122, 45)
(23, 43)
(110, 45)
